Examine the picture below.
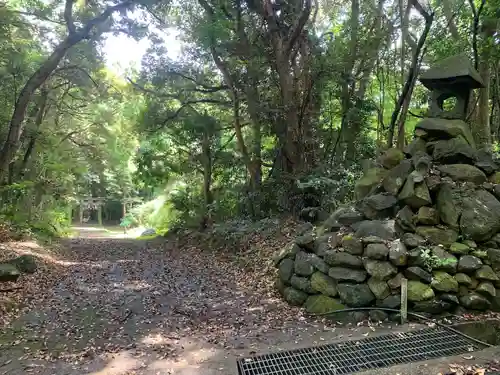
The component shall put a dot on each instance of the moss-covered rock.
(427, 216)
(294, 297)
(486, 273)
(438, 236)
(321, 304)
(397, 176)
(475, 301)
(379, 288)
(459, 248)
(25, 263)
(415, 194)
(480, 218)
(439, 128)
(347, 274)
(487, 289)
(463, 279)
(288, 251)
(444, 282)
(356, 295)
(324, 284)
(379, 269)
(301, 283)
(418, 291)
(463, 173)
(368, 182)
(391, 158)
(286, 269)
(352, 245)
(9, 272)
(469, 264)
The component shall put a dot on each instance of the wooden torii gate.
(93, 203)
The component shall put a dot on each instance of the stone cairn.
(429, 214)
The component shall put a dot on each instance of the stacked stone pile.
(430, 214)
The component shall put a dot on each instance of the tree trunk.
(207, 180)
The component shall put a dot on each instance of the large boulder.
(480, 218)
(463, 173)
(9, 272)
(485, 162)
(412, 240)
(452, 151)
(391, 302)
(417, 145)
(25, 263)
(486, 289)
(438, 128)
(444, 282)
(438, 236)
(418, 291)
(380, 270)
(397, 176)
(321, 304)
(324, 284)
(486, 273)
(432, 306)
(356, 295)
(294, 297)
(380, 228)
(347, 274)
(370, 180)
(463, 279)
(378, 205)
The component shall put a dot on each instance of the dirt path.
(127, 306)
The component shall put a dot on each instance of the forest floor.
(102, 305)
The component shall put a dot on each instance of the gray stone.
(444, 260)
(494, 257)
(319, 263)
(9, 272)
(419, 274)
(448, 297)
(304, 228)
(440, 128)
(378, 206)
(486, 273)
(286, 269)
(395, 282)
(391, 158)
(376, 251)
(433, 306)
(350, 217)
(444, 282)
(373, 239)
(306, 241)
(337, 258)
(352, 245)
(463, 279)
(418, 291)
(294, 297)
(391, 302)
(149, 232)
(475, 301)
(382, 229)
(438, 236)
(397, 176)
(347, 274)
(459, 248)
(485, 162)
(303, 265)
(321, 304)
(469, 264)
(454, 150)
(406, 219)
(427, 216)
(433, 182)
(422, 163)
(356, 295)
(398, 254)
(463, 173)
(416, 258)
(381, 270)
(412, 240)
(324, 284)
(25, 263)
(301, 283)
(487, 289)
(289, 251)
(416, 145)
(370, 180)
(378, 315)
(415, 194)
(379, 288)
(480, 218)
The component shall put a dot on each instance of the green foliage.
(431, 261)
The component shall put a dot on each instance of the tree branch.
(299, 26)
(68, 16)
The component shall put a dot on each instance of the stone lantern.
(453, 77)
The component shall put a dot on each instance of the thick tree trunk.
(207, 181)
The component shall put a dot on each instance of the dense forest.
(271, 108)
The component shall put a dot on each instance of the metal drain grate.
(351, 356)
